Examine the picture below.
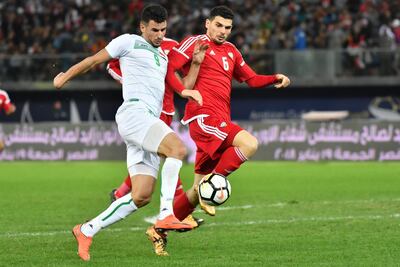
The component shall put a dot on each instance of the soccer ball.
(215, 190)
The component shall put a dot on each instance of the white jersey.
(143, 67)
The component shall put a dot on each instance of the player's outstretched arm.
(178, 87)
(199, 52)
(86, 64)
(258, 80)
(283, 81)
(193, 95)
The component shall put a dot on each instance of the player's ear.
(207, 23)
(142, 26)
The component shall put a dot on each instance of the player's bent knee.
(251, 146)
(141, 200)
(180, 152)
(172, 147)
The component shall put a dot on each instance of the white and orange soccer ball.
(214, 189)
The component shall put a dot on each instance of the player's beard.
(157, 43)
(219, 39)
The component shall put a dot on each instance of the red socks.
(124, 188)
(179, 188)
(230, 160)
(182, 206)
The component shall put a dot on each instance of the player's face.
(218, 29)
(153, 32)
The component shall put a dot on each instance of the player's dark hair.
(154, 12)
(222, 11)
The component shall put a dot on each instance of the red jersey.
(168, 103)
(222, 62)
(5, 102)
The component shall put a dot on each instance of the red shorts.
(166, 118)
(212, 137)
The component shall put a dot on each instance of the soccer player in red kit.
(113, 67)
(5, 103)
(7, 106)
(222, 146)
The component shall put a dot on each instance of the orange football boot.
(210, 210)
(172, 223)
(83, 241)
(159, 241)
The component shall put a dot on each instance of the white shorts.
(142, 132)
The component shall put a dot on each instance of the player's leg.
(180, 193)
(237, 147)
(167, 118)
(179, 188)
(180, 199)
(185, 205)
(195, 222)
(208, 139)
(243, 146)
(1, 145)
(162, 139)
(139, 127)
(220, 150)
(117, 211)
(122, 190)
(126, 187)
(131, 119)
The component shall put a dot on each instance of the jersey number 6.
(225, 63)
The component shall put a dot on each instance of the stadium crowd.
(38, 27)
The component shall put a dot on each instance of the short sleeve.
(182, 53)
(119, 46)
(186, 47)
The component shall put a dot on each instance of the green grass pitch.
(279, 214)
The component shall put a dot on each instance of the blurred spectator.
(387, 43)
(354, 47)
(80, 26)
(300, 37)
(60, 111)
(396, 30)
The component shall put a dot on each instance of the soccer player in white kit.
(144, 67)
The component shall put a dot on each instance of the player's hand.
(11, 109)
(59, 80)
(193, 95)
(1, 145)
(283, 81)
(200, 48)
